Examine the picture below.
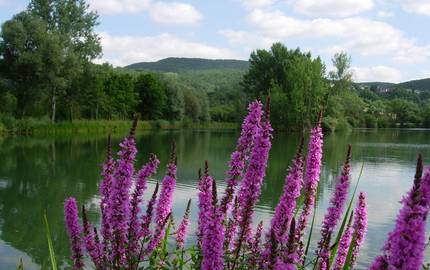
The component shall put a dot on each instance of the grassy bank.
(32, 126)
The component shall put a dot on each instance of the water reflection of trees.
(40, 174)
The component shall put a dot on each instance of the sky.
(388, 40)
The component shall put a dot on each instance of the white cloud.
(119, 6)
(355, 34)
(243, 37)
(416, 6)
(160, 12)
(174, 13)
(377, 73)
(385, 14)
(333, 8)
(123, 50)
(251, 4)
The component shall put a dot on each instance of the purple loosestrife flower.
(164, 203)
(182, 230)
(231, 227)
(311, 178)
(205, 202)
(250, 188)
(250, 128)
(360, 226)
(74, 231)
(254, 246)
(287, 204)
(105, 189)
(118, 209)
(93, 248)
(405, 245)
(334, 212)
(344, 243)
(147, 218)
(159, 230)
(213, 238)
(141, 183)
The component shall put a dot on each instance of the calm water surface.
(37, 174)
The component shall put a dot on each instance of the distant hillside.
(177, 65)
(377, 84)
(421, 85)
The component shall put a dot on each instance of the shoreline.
(38, 127)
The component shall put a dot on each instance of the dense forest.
(47, 73)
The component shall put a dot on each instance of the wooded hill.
(177, 64)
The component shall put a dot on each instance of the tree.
(73, 24)
(73, 21)
(404, 111)
(175, 104)
(298, 79)
(342, 75)
(35, 60)
(152, 96)
(92, 94)
(122, 97)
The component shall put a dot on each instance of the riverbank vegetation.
(48, 74)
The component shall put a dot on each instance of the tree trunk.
(53, 106)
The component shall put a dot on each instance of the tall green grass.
(32, 126)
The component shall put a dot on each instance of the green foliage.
(421, 85)
(123, 97)
(296, 80)
(46, 72)
(175, 64)
(342, 75)
(50, 245)
(404, 111)
(152, 96)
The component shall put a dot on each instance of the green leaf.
(310, 231)
(347, 264)
(50, 246)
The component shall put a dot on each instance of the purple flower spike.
(284, 211)
(182, 230)
(334, 212)
(250, 188)
(141, 183)
(164, 203)
(205, 202)
(74, 230)
(93, 248)
(250, 128)
(213, 238)
(287, 204)
(105, 189)
(360, 226)
(254, 246)
(118, 209)
(405, 246)
(344, 243)
(311, 179)
(147, 218)
(231, 227)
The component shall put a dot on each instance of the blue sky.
(388, 40)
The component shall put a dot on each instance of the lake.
(38, 173)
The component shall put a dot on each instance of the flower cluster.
(135, 238)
